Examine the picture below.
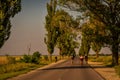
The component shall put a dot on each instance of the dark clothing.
(73, 57)
(86, 58)
(55, 58)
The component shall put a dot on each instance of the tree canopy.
(50, 39)
(60, 31)
(105, 11)
(8, 9)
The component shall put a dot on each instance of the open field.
(107, 61)
(8, 70)
(3, 59)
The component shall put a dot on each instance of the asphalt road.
(63, 71)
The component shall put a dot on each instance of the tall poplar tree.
(51, 31)
(65, 39)
(8, 9)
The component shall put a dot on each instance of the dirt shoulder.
(106, 72)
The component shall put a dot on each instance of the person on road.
(86, 59)
(81, 59)
(72, 59)
(56, 59)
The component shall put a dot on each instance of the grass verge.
(107, 61)
(12, 70)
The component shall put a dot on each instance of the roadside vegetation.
(11, 66)
(106, 60)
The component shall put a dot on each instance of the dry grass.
(3, 59)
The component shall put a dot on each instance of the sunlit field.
(3, 59)
(107, 61)
(10, 68)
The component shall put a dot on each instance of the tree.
(8, 9)
(65, 23)
(98, 35)
(106, 11)
(85, 47)
(51, 32)
(93, 33)
(86, 39)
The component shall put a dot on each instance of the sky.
(28, 29)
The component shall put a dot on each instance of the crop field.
(3, 59)
(8, 69)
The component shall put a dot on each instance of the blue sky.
(27, 29)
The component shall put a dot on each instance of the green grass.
(8, 70)
(11, 70)
(107, 61)
(11, 74)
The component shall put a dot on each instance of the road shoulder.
(107, 72)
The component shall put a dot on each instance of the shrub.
(35, 57)
(26, 58)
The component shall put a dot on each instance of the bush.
(35, 58)
(26, 58)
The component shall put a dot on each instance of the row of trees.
(94, 34)
(101, 28)
(106, 12)
(59, 26)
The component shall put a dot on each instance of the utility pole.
(29, 49)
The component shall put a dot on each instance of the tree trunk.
(97, 54)
(50, 57)
(115, 46)
(60, 53)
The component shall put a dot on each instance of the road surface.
(63, 71)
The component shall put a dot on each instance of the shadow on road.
(74, 67)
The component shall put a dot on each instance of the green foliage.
(35, 58)
(59, 25)
(8, 10)
(105, 11)
(50, 39)
(26, 58)
(65, 38)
